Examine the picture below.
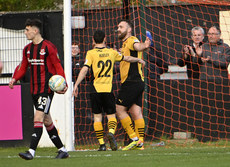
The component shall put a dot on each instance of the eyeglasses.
(213, 34)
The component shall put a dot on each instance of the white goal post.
(69, 142)
(62, 109)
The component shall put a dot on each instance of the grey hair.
(197, 28)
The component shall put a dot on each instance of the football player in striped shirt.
(132, 86)
(101, 61)
(41, 57)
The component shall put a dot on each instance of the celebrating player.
(101, 60)
(132, 86)
(42, 58)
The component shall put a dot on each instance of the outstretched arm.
(133, 60)
(80, 77)
(142, 46)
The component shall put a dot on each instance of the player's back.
(101, 61)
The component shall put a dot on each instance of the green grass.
(197, 155)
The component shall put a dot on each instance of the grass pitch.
(165, 156)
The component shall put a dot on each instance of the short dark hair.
(99, 36)
(216, 27)
(34, 22)
(128, 22)
(75, 42)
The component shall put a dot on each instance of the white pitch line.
(124, 154)
(14, 156)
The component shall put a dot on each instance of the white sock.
(63, 149)
(32, 152)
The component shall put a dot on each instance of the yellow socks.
(140, 128)
(98, 128)
(112, 125)
(128, 126)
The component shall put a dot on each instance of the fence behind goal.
(172, 105)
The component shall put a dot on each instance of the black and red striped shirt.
(43, 61)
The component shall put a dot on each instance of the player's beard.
(122, 35)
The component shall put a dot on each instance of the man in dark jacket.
(189, 53)
(215, 56)
(77, 60)
(157, 63)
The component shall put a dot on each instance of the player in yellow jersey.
(101, 61)
(132, 86)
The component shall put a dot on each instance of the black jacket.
(193, 68)
(216, 67)
(157, 63)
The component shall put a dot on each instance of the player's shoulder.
(109, 50)
(133, 39)
(28, 45)
(49, 44)
(91, 51)
(98, 50)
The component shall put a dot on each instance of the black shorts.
(103, 102)
(130, 93)
(42, 102)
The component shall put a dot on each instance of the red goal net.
(173, 101)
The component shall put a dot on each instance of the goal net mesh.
(172, 102)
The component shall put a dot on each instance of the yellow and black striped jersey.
(130, 71)
(101, 61)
